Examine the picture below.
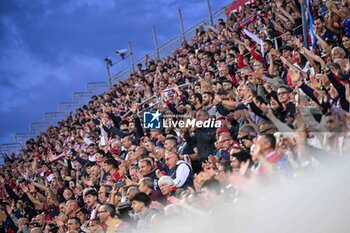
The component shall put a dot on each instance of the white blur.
(317, 202)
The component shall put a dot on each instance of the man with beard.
(238, 158)
(170, 144)
(196, 101)
(180, 171)
(108, 218)
(39, 220)
(146, 185)
(223, 102)
(128, 144)
(208, 98)
(323, 31)
(146, 170)
(110, 167)
(71, 208)
(157, 136)
(223, 147)
(202, 138)
(150, 146)
(246, 134)
(51, 209)
(74, 224)
(266, 156)
(287, 108)
(339, 133)
(135, 128)
(68, 194)
(104, 193)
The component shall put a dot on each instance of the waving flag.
(236, 6)
(311, 23)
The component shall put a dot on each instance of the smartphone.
(119, 184)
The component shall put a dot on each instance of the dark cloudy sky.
(52, 48)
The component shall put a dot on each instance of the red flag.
(235, 6)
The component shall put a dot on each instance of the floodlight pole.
(131, 57)
(109, 73)
(210, 14)
(155, 41)
(182, 28)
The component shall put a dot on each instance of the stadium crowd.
(283, 108)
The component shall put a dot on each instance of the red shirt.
(273, 157)
(116, 176)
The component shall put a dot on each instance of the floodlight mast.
(109, 64)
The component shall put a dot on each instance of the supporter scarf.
(114, 151)
(274, 158)
(249, 20)
(347, 27)
(256, 39)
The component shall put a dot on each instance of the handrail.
(103, 84)
(148, 108)
(82, 93)
(169, 42)
(49, 116)
(140, 60)
(203, 21)
(9, 148)
(38, 127)
(148, 99)
(24, 136)
(220, 10)
(116, 76)
(180, 86)
(32, 125)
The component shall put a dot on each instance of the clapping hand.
(133, 108)
(9, 210)
(347, 92)
(278, 3)
(157, 205)
(295, 77)
(159, 174)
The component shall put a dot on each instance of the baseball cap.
(222, 130)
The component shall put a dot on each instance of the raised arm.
(38, 205)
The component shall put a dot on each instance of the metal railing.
(167, 48)
(68, 107)
(8, 149)
(97, 87)
(164, 50)
(38, 127)
(82, 97)
(219, 14)
(121, 75)
(191, 31)
(155, 100)
(142, 60)
(54, 117)
(120, 65)
(23, 137)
